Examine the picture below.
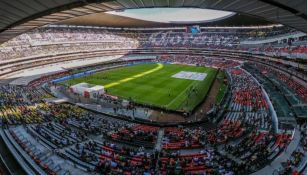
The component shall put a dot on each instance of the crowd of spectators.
(247, 94)
(269, 32)
(297, 161)
(58, 49)
(286, 51)
(110, 157)
(46, 78)
(15, 108)
(288, 80)
(54, 44)
(259, 148)
(57, 40)
(206, 161)
(125, 146)
(140, 135)
(304, 137)
(59, 135)
(248, 102)
(199, 60)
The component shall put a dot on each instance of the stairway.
(158, 145)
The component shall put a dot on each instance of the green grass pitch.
(153, 84)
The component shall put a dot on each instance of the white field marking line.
(170, 103)
(160, 66)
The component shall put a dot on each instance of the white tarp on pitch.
(190, 75)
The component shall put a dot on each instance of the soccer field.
(161, 85)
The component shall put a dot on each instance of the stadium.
(153, 87)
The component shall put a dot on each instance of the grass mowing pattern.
(156, 88)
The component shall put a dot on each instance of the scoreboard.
(193, 29)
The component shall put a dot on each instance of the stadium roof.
(166, 17)
(174, 15)
(18, 16)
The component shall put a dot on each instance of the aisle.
(158, 145)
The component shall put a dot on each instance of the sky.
(174, 15)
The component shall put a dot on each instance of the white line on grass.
(170, 103)
(160, 66)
